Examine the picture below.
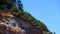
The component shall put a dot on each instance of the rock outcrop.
(12, 24)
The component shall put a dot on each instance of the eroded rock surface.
(10, 24)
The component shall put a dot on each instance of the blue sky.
(47, 11)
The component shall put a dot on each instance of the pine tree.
(5, 4)
(54, 33)
(10, 4)
(20, 5)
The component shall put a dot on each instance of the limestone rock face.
(11, 24)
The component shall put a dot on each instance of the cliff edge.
(14, 24)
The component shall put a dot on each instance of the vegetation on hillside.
(17, 8)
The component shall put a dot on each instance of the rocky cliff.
(13, 24)
(14, 20)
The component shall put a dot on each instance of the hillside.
(14, 20)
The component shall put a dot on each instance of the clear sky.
(47, 11)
